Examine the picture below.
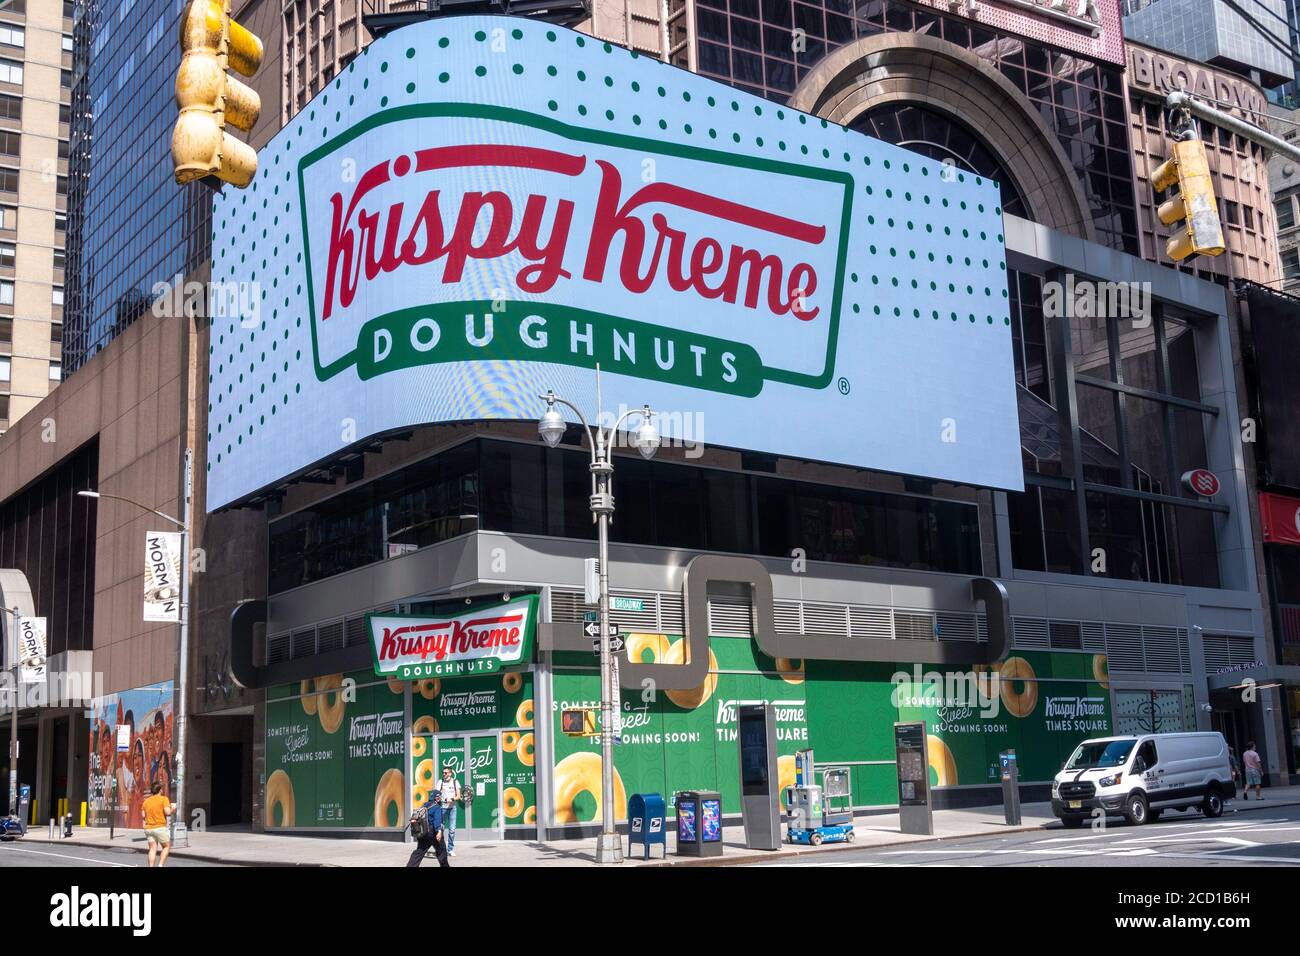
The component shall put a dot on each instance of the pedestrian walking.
(448, 794)
(1234, 763)
(1254, 770)
(426, 827)
(156, 810)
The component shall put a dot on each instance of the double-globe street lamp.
(185, 527)
(552, 427)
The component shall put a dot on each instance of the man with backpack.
(426, 827)
(447, 793)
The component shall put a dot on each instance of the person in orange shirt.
(155, 810)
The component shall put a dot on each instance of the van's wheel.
(1212, 806)
(815, 839)
(1136, 810)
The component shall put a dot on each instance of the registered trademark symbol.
(844, 386)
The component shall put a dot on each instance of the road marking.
(64, 856)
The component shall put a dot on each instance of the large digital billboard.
(479, 209)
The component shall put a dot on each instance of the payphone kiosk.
(759, 790)
(1010, 787)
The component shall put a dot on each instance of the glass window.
(56, 371)
(8, 252)
(1291, 263)
(1285, 212)
(56, 296)
(4, 368)
(11, 71)
(6, 292)
(11, 35)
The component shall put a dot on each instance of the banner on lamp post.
(162, 576)
(31, 649)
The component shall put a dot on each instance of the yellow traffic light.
(211, 43)
(1194, 205)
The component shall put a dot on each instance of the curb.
(774, 856)
(739, 859)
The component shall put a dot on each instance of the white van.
(1142, 775)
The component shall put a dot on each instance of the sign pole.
(183, 664)
(609, 848)
(13, 715)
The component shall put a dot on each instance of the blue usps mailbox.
(645, 823)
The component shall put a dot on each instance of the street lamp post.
(551, 428)
(13, 713)
(183, 662)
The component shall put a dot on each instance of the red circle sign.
(1201, 481)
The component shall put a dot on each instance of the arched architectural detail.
(914, 68)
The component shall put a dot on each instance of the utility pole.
(13, 712)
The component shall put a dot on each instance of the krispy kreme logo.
(787, 711)
(477, 641)
(1071, 707)
(522, 239)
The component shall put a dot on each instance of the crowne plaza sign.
(479, 209)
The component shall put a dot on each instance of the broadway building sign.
(480, 209)
(477, 641)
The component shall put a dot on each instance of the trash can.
(645, 823)
(699, 823)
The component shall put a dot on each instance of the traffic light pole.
(1179, 100)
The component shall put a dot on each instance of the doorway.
(475, 761)
(227, 783)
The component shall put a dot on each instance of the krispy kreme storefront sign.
(480, 209)
(478, 641)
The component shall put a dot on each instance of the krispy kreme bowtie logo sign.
(477, 641)
(481, 233)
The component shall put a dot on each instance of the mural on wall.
(334, 747)
(125, 764)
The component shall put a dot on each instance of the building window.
(8, 217)
(56, 333)
(11, 107)
(4, 368)
(62, 185)
(11, 71)
(6, 331)
(8, 254)
(67, 43)
(11, 35)
(60, 222)
(1285, 212)
(60, 259)
(56, 296)
(8, 179)
(1230, 213)
(6, 292)
(1291, 263)
(56, 371)
(4, 408)
(527, 489)
(10, 142)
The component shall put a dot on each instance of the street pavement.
(16, 854)
(975, 829)
(1256, 837)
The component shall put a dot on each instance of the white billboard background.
(920, 377)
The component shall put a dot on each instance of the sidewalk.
(241, 848)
